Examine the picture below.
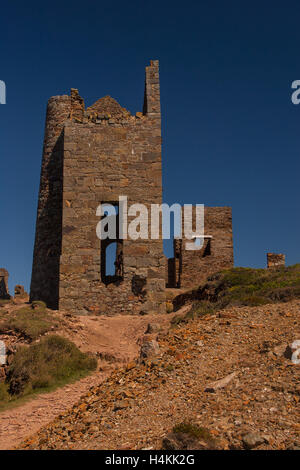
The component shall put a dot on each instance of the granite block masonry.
(91, 156)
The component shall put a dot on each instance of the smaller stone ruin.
(4, 293)
(275, 260)
(20, 292)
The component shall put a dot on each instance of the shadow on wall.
(47, 248)
(3, 291)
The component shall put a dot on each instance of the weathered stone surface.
(149, 348)
(20, 292)
(91, 157)
(252, 440)
(213, 387)
(275, 260)
(4, 292)
(292, 351)
(183, 441)
(152, 328)
(189, 268)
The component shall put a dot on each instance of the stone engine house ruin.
(216, 254)
(92, 156)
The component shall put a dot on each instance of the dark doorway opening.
(112, 267)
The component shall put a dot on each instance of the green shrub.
(4, 395)
(253, 300)
(39, 304)
(47, 364)
(193, 430)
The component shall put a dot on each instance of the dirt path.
(244, 348)
(23, 420)
(116, 336)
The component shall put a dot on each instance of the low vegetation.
(30, 322)
(43, 366)
(187, 436)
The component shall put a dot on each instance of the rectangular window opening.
(112, 266)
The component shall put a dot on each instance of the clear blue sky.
(231, 135)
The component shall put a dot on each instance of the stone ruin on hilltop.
(92, 156)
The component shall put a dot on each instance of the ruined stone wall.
(275, 260)
(4, 292)
(47, 247)
(92, 157)
(192, 267)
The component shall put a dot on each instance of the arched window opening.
(112, 269)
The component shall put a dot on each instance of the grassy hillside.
(243, 287)
(42, 367)
(30, 322)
